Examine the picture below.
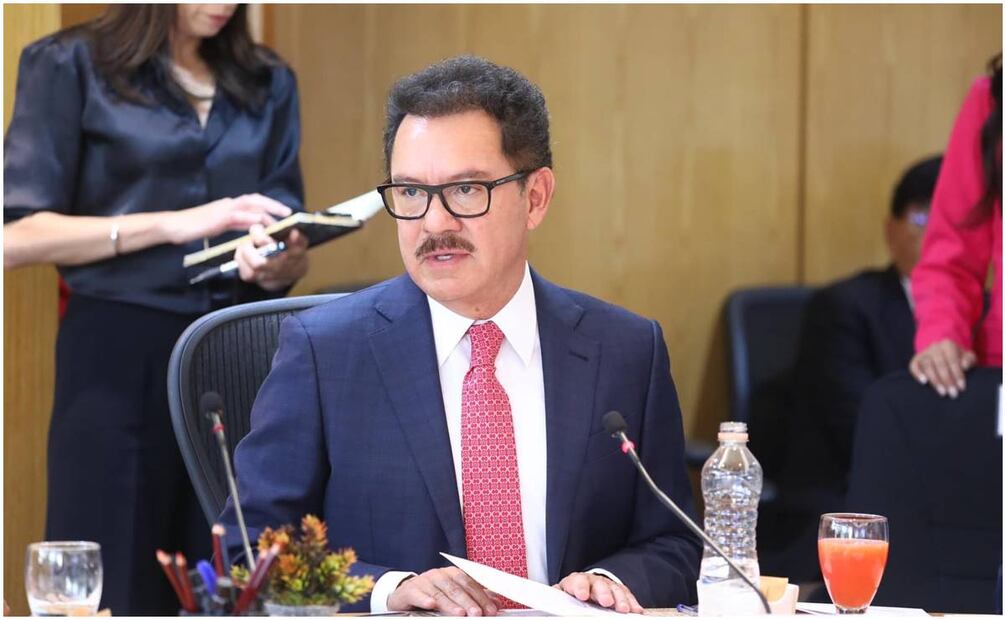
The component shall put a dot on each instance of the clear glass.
(63, 578)
(852, 549)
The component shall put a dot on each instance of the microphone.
(211, 405)
(614, 424)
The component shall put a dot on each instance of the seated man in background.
(855, 331)
(457, 407)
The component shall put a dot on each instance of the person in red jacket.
(963, 239)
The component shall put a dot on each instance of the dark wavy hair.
(466, 83)
(129, 44)
(992, 136)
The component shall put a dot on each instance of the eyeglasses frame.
(438, 190)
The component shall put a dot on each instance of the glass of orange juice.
(853, 551)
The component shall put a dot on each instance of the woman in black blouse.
(137, 138)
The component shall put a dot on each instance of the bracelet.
(113, 236)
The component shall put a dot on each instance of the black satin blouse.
(74, 148)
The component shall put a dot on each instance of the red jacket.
(949, 281)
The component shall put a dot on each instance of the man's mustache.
(448, 241)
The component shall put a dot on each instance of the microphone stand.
(630, 449)
(218, 430)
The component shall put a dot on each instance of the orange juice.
(852, 569)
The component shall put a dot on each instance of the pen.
(169, 571)
(266, 251)
(189, 601)
(687, 610)
(219, 559)
(256, 578)
(209, 576)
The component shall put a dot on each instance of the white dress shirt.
(906, 284)
(518, 369)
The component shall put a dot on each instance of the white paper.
(536, 596)
(731, 597)
(829, 609)
(362, 207)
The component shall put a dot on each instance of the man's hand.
(601, 590)
(942, 365)
(446, 590)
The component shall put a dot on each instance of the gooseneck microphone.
(211, 405)
(614, 424)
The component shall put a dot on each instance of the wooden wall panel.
(884, 85)
(73, 14)
(676, 155)
(29, 322)
(649, 177)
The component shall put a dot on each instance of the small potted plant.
(307, 579)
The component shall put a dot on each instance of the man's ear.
(540, 186)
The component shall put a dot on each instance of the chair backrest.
(934, 467)
(230, 352)
(763, 332)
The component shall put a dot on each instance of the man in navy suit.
(458, 407)
(855, 331)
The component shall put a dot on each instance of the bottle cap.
(733, 431)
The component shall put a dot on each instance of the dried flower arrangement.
(305, 571)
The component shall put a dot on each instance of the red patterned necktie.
(494, 530)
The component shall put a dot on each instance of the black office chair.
(933, 466)
(764, 334)
(763, 338)
(230, 352)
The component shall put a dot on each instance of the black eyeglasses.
(411, 201)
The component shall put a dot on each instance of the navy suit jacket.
(350, 425)
(855, 331)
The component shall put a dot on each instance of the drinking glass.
(853, 551)
(63, 578)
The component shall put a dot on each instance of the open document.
(536, 596)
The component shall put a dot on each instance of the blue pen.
(209, 576)
(687, 610)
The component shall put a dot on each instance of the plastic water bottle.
(731, 487)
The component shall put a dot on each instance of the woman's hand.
(942, 365)
(48, 237)
(211, 219)
(276, 272)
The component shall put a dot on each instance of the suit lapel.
(569, 366)
(898, 316)
(406, 357)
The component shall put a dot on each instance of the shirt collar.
(518, 320)
(906, 285)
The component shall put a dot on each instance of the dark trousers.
(115, 473)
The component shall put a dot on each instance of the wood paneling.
(30, 299)
(73, 14)
(697, 148)
(884, 85)
(676, 154)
